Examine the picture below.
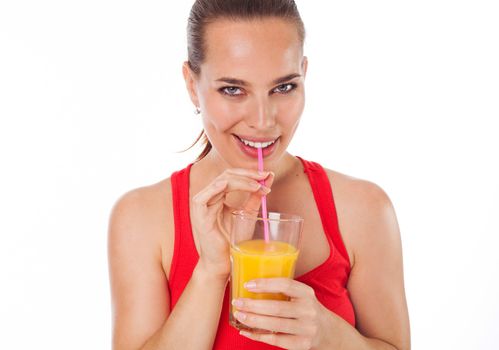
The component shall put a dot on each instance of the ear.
(304, 66)
(190, 83)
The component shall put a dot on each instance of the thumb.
(254, 201)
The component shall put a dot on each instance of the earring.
(197, 111)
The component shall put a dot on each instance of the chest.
(296, 197)
(299, 199)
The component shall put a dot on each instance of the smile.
(250, 147)
(257, 144)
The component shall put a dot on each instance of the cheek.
(290, 110)
(218, 114)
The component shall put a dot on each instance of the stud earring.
(197, 111)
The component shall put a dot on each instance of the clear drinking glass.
(252, 257)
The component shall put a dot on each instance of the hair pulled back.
(204, 12)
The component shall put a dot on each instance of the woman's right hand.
(210, 214)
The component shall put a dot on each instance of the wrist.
(344, 336)
(209, 276)
(332, 335)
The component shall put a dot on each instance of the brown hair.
(204, 12)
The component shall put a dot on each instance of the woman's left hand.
(301, 323)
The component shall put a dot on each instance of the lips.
(253, 151)
(257, 139)
(257, 144)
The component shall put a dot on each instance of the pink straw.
(264, 198)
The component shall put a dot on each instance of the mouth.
(250, 145)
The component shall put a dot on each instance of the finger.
(269, 323)
(216, 199)
(268, 180)
(221, 225)
(255, 199)
(230, 184)
(287, 286)
(277, 308)
(209, 192)
(284, 341)
(237, 183)
(252, 173)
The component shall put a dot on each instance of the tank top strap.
(323, 194)
(184, 246)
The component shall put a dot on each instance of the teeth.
(257, 144)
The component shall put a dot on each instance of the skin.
(141, 232)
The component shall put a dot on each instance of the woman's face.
(250, 89)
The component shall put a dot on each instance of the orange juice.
(257, 259)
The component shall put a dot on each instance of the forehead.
(249, 49)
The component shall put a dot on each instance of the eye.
(230, 90)
(285, 88)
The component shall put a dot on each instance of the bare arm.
(140, 296)
(139, 286)
(370, 230)
(139, 292)
(194, 321)
(376, 283)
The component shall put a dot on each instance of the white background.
(92, 104)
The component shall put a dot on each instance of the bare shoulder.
(140, 205)
(359, 190)
(141, 217)
(371, 234)
(139, 289)
(364, 211)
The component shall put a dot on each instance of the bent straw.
(264, 198)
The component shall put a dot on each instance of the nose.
(262, 113)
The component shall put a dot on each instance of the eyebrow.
(235, 81)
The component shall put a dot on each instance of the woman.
(169, 261)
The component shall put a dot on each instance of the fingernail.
(240, 315)
(220, 183)
(263, 173)
(237, 302)
(265, 189)
(250, 285)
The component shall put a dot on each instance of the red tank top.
(329, 279)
